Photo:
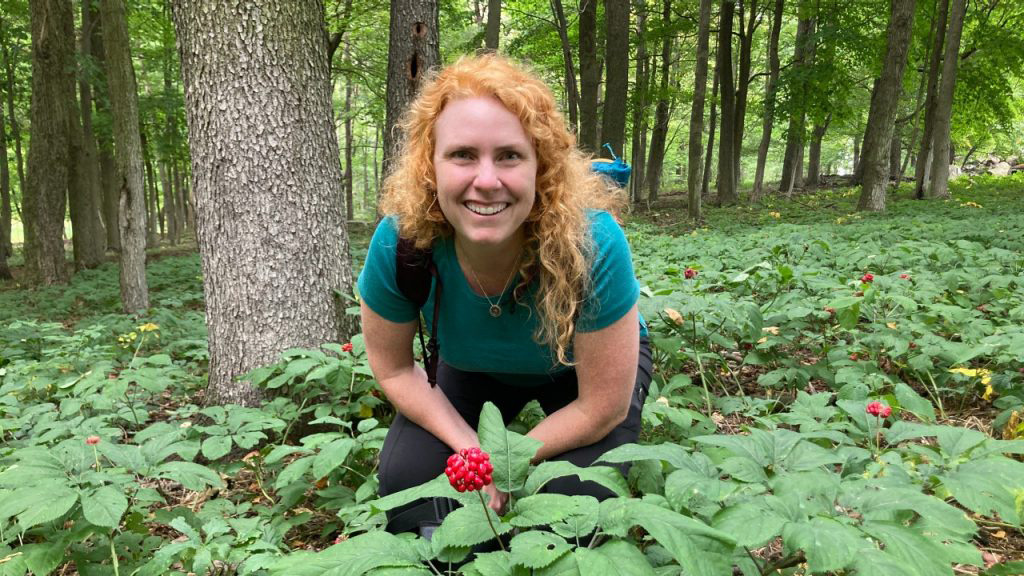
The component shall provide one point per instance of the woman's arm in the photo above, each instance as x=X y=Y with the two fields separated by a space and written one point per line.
x=389 y=349
x=606 y=361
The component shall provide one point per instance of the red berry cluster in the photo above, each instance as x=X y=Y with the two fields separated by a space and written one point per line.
x=867 y=278
x=879 y=409
x=346 y=347
x=689 y=273
x=470 y=469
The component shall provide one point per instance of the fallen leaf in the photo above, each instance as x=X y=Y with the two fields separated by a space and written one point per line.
x=674 y=315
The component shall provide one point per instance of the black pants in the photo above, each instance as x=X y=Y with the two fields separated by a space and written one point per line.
x=411 y=455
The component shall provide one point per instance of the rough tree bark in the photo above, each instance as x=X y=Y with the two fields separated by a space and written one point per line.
x=109 y=189
x=659 y=136
x=45 y=196
x=590 y=75
x=700 y=86
x=413 y=48
x=124 y=108
x=641 y=92
x=798 y=107
x=493 y=30
x=726 y=177
x=770 y=87
x=572 y=96
x=94 y=235
x=884 y=102
x=266 y=179
x=922 y=169
x=613 y=118
x=944 y=103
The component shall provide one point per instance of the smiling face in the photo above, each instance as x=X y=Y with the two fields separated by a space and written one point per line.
x=486 y=172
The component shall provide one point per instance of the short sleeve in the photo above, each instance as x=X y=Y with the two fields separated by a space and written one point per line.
x=614 y=289
x=378 y=286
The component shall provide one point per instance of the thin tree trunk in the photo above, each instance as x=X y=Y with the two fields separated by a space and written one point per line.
x=705 y=186
x=124 y=108
x=895 y=148
x=109 y=188
x=45 y=196
x=921 y=86
x=726 y=177
x=922 y=169
x=770 y=87
x=590 y=75
x=19 y=157
x=700 y=85
x=882 y=115
x=814 y=153
x=572 y=96
x=6 y=247
x=642 y=74
x=659 y=136
x=91 y=242
x=180 y=205
x=613 y=121
x=271 y=232
x=170 y=138
x=493 y=30
x=87 y=238
x=743 y=84
x=349 y=196
x=944 y=103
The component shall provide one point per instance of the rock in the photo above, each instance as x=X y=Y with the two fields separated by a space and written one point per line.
x=954 y=172
x=1000 y=169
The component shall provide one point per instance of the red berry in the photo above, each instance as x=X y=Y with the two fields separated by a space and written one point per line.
x=904 y=276
x=92 y=440
x=346 y=347
x=867 y=278
x=470 y=469
x=690 y=273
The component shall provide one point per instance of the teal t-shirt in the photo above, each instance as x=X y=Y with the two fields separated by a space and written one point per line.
x=473 y=341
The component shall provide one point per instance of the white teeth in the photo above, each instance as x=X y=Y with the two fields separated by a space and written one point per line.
x=486 y=210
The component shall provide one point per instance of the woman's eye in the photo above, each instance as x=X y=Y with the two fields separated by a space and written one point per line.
x=511 y=156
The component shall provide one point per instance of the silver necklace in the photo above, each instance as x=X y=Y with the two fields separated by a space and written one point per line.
x=495 y=308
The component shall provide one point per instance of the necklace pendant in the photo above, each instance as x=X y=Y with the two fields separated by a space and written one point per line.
x=495 y=310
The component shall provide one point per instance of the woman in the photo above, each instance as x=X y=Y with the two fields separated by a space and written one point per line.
x=538 y=299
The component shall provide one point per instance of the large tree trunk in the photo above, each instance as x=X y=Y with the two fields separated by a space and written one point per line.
x=109 y=189
x=413 y=48
x=770 y=87
x=271 y=231
x=798 y=106
x=642 y=79
x=89 y=235
x=941 y=158
x=572 y=97
x=613 y=121
x=590 y=75
x=726 y=177
x=922 y=168
x=743 y=84
x=493 y=30
x=884 y=102
x=124 y=108
x=45 y=196
x=700 y=86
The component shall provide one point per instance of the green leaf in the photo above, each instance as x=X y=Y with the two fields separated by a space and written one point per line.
x=914 y=403
x=873 y=562
x=44 y=503
x=606 y=476
x=674 y=454
x=1008 y=569
x=104 y=507
x=536 y=549
x=615 y=558
x=564 y=566
x=494 y=564
x=700 y=549
x=510 y=452
x=542 y=509
x=44 y=557
x=750 y=524
x=438 y=487
x=352 y=557
x=988 y=486
x=956 y=442
x=189 y=474
x=827 y=544
x=468 y=526
x=913 y=549
x=331 y=456
x=216 y=447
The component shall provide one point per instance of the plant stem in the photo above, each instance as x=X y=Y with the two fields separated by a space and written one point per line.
x=487 y=514
x=938 y=399
x=703 y=381
x=113 y=556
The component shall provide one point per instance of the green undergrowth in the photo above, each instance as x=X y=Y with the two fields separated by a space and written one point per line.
x=757 y=454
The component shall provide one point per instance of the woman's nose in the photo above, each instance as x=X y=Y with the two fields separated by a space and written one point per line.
x=487 y=175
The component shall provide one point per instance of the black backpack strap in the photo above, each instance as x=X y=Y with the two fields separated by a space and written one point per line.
x=414 y=270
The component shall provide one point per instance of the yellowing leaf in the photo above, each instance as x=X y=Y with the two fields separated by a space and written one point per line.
x=674 y=315
x=970 y=373
x=365 y=411
x=892 y=325
x=773 y=330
